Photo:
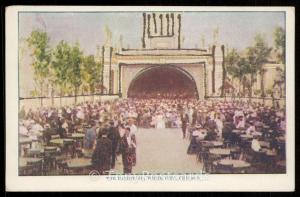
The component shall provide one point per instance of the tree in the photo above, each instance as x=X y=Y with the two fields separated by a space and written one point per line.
x=231 y=59
x=74 y=71
x=91 y=72
x=279 y=41
x=239 y=70
x=41 y=53
x=60 y=65
x=257 y=56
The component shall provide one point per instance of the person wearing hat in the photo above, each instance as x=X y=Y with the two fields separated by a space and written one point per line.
x=127 y=146
x=184 y=123
x=48 y=131
x=102 y=155
x=114 y=136
x=193 y=147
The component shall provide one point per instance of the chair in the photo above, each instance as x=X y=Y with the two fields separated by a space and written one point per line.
x=49 y=160
x=235 y=152
x=37 y=168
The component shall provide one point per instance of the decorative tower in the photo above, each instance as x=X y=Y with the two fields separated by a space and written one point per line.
x=218 y=64
x=107 y=51
x=161 y=30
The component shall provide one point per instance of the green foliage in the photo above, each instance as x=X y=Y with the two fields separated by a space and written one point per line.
x=231 y=58
x=61 y=64
x=91 y=72
x=41 y=54
x=74 y=72
x=257 y=56
x=279 y=41
x=258 y=53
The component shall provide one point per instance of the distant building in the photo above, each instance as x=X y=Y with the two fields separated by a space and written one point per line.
x=161 y=48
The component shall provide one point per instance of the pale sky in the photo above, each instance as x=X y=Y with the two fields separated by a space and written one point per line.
x=236 y=29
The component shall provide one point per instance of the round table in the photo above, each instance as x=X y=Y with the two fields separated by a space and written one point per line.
x=25 y=140
x=35 y=152
x=212 y=143
x=33 y=165
x=61 y=141
x=219 y=151
x=77 y=135
x=79 y=163
x=235 y=162
x=25 y=161
x=52 y=149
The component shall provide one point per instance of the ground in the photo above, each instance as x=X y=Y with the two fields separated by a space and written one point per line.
x=162 y=151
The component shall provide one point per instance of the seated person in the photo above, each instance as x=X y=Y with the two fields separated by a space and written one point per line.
x=255 y=145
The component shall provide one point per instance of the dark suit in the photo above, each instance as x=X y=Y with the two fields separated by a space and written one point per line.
x=114 y=136
x=102 y=155
x=184 y=121
x=128 y=155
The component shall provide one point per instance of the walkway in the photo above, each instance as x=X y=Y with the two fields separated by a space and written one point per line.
x=162 y=151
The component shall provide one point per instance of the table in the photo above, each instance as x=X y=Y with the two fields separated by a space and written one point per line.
x=79 y=163
x=30 y=166
x=50 y=148
x=25 y=140
x=61 y=141
x=77 y=135
x=212 y=143
x=235 y=162
x=25 y=161
x=219 y=151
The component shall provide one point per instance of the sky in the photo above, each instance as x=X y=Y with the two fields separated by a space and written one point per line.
x=236 y=29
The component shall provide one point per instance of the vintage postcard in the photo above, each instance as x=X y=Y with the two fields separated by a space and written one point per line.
x=150 y=99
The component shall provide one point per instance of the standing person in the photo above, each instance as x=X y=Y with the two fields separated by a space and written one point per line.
x=61 y=131
x=102 y=154
x=133 y=128
x=184 y=123
x=90 y=137
x=114 y=136
x=126 y=147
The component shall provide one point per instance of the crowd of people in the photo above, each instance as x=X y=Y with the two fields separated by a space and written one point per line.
x=165 y=94
x=110 y=126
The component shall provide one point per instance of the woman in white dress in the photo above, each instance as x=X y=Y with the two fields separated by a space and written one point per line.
x=160 y=121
